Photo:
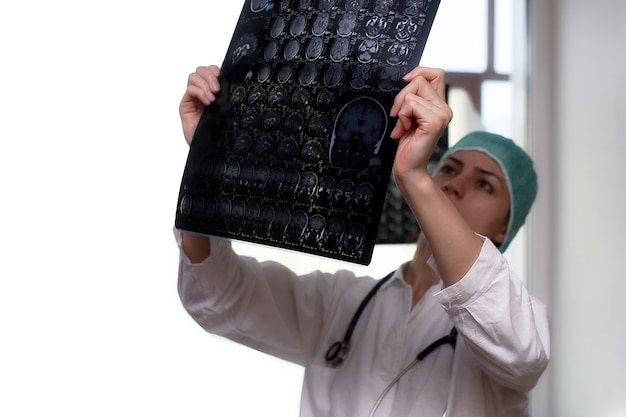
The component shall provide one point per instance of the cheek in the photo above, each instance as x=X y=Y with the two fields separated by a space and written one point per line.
x=486 y=219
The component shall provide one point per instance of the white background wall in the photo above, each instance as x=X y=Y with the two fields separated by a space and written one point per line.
x=579 y=105
x=90 y=161
x=91 y=154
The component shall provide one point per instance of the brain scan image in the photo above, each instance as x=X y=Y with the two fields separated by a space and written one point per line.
x=284 y=5
x=233 y=170
x=364 y=194
x=367 y=51
x=354 y=5
x=314 y=231
x=185 y=205
x=278 y=26
x=384 y=6
x=306 y=188
x=244 y=47
x=264 y=73
x=307 y=74
x=326 y=188
x=271 y=121
x=235 y=220
x=360 y=76
x=297 y=25
x=333 y=74
x=413 y=7
x=223 y=213
x=319 y=125
x=291 y=49
x=353 y=238
x=284 y=73
x=347 y=24
x=314 y=48
x=219 y=171
x=290 y=184
x=303 y=5
x=375 y=27
x=250 y=119
x=297 y=224
x=320 y=23
x=245 y=176
x=270 y=50
x=238 y=96
x=301 y=98
x=343 y=193
x=265 y=147
x=243 y=144
x=405 y=29
x=312 y=151
x=334 y=234
x=397 y=53
x=287 y=148
x=296 y=157
x=389 y=78
x=261 y=175
x=277 y=175
x=266 y=218
x=359 y=130
x=257 y=95
x=258 y=5
x=327 y=4
x=339 y=49
x=197 y=207
x=280 y=223
x=250 y=218
x=325 y=99
x=278 y=96
x=294 y=123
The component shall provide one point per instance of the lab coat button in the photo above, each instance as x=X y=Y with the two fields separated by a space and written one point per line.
x=386 y=376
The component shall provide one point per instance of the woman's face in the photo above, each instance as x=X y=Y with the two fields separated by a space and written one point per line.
x=477 y=187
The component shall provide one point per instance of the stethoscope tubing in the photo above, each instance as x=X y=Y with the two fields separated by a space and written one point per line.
x=449 y=339
x=339 y=350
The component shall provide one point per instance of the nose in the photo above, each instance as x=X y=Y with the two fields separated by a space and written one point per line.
x=454 y=186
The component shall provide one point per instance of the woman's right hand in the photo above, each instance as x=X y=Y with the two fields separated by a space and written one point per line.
x=202 y=86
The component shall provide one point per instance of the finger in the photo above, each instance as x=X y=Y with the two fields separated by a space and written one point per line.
x=210 y=75
x=419 y=111
x=419 y=86
x=435 y=76
x=412 y=109
x=199 y=88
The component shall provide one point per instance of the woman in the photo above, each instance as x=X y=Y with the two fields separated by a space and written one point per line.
x=457 y=281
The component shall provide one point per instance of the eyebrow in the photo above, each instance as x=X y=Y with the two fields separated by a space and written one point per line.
x=479 y=169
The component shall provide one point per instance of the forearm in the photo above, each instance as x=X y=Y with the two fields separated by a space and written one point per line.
x=262 y=305
x=504 y=327
x=196 y=247
x=454 y=245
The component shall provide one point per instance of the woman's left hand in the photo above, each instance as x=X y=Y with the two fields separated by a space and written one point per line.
x=423 y=115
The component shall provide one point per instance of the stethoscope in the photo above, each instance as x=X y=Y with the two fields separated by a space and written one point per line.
x=338 y=351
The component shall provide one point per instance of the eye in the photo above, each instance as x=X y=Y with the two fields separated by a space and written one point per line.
x=485 y=185
x=446 y=170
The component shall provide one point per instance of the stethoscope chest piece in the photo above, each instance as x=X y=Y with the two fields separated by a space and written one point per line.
x=336 y=354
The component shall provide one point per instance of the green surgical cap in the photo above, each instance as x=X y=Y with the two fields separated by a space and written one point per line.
x=518 y=170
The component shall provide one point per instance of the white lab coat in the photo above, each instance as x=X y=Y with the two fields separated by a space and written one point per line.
x=502 y=349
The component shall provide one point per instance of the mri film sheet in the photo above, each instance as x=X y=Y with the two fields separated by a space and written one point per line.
x=295 y=151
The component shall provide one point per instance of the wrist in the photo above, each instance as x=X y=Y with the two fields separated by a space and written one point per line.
x=415 y=183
